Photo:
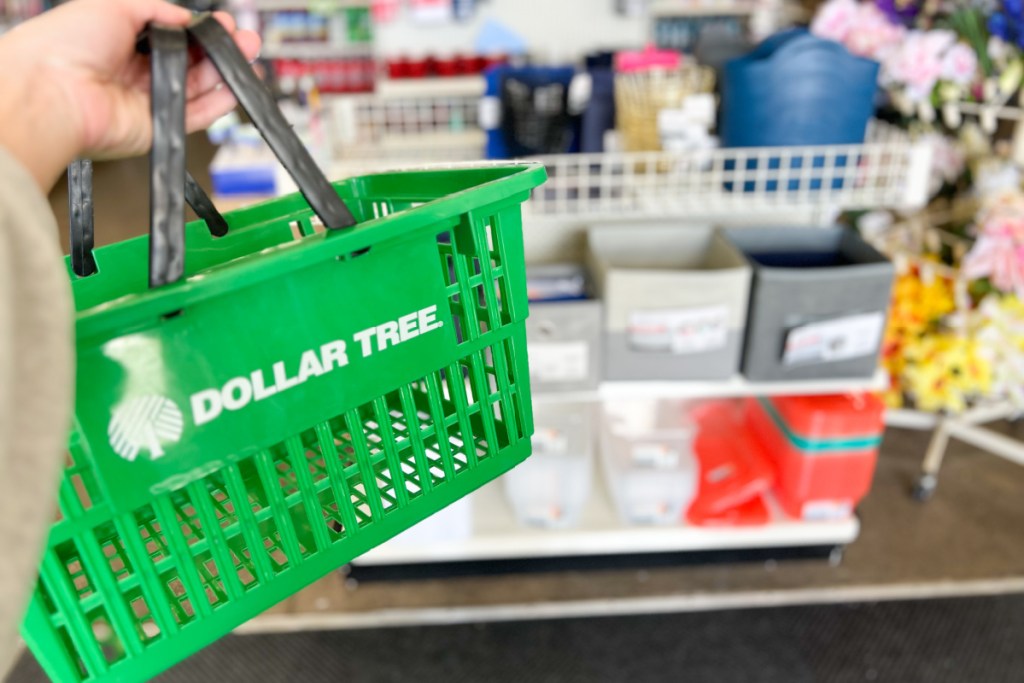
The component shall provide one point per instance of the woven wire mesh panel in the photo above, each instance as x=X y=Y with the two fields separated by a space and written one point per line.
x=889 y=170
x=410 y=128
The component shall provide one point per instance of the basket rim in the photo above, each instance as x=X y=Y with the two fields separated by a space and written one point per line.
x=507 y=180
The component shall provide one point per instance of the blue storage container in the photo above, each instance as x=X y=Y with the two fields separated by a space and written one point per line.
x=797 y=89
x=531 y=116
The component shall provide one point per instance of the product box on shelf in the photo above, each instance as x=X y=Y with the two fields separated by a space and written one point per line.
x=551 y=487
x=818 y=305
x=824 y=448
x=675 y=301
x=563 y=332
x=735 y=472
x=648 y=460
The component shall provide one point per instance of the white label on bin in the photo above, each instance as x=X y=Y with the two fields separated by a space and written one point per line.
x=559 y=361
x=827 y=510
x=680 y=331
x=489 y=113
x=833 y=340
x=654 y=455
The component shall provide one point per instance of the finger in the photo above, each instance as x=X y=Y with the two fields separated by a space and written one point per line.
x=204 y=76
x=226 y=20
x=142 y=12
x=203 y=111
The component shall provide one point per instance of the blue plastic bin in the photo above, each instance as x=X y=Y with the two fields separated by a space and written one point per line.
x=522 y=127
x=796 y=89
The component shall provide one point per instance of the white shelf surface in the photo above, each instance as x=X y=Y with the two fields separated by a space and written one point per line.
x=735 y=387
x=498 y=535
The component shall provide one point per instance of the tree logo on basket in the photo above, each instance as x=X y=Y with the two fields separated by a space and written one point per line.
x=145 y=423
x=151 y=422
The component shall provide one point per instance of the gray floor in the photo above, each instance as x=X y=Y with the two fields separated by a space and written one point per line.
x=936 y=641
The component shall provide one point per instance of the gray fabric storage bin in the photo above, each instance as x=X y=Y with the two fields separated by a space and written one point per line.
x=563 y=340
x=675 y=302
x=819 y=303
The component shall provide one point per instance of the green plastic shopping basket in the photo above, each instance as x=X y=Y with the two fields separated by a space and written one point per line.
x=288 y=405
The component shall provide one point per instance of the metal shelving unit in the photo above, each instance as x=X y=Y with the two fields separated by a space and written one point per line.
x=497 y=535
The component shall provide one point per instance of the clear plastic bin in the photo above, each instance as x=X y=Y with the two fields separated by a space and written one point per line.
x=552 y=486
x=648 y=460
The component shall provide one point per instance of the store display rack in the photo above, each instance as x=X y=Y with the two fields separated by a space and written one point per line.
x=498 y=535
x=888 y=170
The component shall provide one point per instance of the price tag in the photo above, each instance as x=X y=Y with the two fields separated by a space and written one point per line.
x=559 y=361
x=834 y=340
x=827 y=510
x=680 y=331
x=489 y=113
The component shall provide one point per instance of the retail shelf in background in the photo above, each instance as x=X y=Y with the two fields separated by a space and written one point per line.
x=321 y=5
x=738 y=386
x=735 y=387
x=374 y=133
x=449 y=86
x=498 y=535
x=889 y=170
x=315 y=51
x=688 y=8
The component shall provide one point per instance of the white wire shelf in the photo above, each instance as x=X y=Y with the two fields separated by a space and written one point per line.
x=368 y=129
x=498 y=535
x=889 y=170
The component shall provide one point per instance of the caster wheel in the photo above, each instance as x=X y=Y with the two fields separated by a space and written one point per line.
x=924 y=489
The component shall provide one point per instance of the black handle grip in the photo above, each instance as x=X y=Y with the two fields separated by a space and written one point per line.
x=168 y=64
x=81 y=217
x=204 y=208
x=168 y=50
x=259 y=104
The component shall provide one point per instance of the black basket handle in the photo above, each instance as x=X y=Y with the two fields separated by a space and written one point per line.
x=259 y=104
x=168 y=64
x=168 y=48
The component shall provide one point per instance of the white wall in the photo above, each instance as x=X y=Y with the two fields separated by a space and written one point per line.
x=555 y=30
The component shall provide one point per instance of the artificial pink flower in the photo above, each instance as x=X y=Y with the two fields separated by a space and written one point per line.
x=872 y=35
x=1000 y=259
x=917 y=64
x=835 y=19
x=960 y=65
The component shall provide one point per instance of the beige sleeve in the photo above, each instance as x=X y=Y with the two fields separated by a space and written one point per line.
x=36 y=387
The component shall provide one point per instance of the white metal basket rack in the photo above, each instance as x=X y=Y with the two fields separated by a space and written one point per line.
x=888 y=170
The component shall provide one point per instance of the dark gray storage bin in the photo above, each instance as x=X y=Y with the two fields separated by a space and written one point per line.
x=563 y=339
x=818 y=306
x=675 y=302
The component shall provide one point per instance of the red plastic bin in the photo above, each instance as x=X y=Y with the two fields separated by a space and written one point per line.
x=825 y=449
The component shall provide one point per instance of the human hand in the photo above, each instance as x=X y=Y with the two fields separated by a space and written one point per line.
x=75 y=86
